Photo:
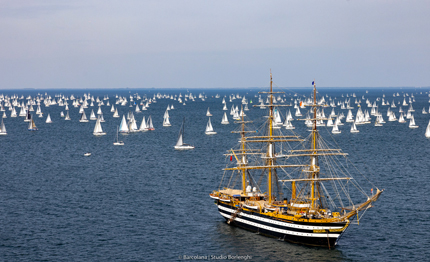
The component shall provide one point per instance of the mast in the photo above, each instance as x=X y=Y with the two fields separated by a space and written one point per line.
x=314 y=158
x=243 y=157
x=269 y=156
x=241 y=154
x=270 y=144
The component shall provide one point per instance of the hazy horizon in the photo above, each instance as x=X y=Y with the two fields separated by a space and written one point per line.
x=213 y=44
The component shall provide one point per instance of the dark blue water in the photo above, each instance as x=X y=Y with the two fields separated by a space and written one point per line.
x=147 y=202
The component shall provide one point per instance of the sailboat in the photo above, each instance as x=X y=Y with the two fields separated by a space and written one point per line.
x=288 y=125
x=32 y=125
x=166 y=121
x=117 y=142
x=48 y=119
x=335 y=129
x=27 y=115
x=401 y=118
x=180 y=145
x=224 y=120
x=354 y=128
x=412 y=122
x=209 y=129
x=115 y=114
x=98 y=131
x=132 y=125
x=67 y=116
x=208 y=113
x=102 y=119
x=3 y=128
x=143 y=126
x=93 y=116
x=320 y=207
x=149 y=124
x=83 y=118
x=123 y=127
x=378 y=121
x=427 y=134
x=13 y=113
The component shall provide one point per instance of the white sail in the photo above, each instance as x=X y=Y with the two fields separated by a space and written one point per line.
x=288 y=124
x=93 y=116
x=392 y=117
x=236 y=115
x=149 y=124
x=224 y=120
x=98 y=131
x=289 y=116
x=209 y=129
x=117 y=142
x=102 y=118
x=412 y=122
x=22 y=112
x=335 y=129
x=180 y=143
x=48 y=119
x=330 y=122
x=112 y=108
x=277 y=119
x=123 y=128
x=166 y=122
x=427 y=134
x=166 y=114
x=208 y=113
x=3 y=128
x=143 y=126
x=354 y=128
x=32 y=125
x=401 y=118
x=132 y=125
x=67 y=116
x=83 y=117
x=116 y=115
x=13 y=113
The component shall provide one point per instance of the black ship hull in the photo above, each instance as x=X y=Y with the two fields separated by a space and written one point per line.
x=304 y=233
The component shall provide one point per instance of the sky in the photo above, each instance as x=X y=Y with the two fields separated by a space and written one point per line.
x=49 y=44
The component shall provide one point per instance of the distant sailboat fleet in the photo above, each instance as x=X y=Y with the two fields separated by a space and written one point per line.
x=359 y=110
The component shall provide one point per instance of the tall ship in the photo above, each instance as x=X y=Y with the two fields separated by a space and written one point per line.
x=295 y=189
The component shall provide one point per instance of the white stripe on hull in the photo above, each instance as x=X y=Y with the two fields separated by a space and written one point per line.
x=283 y=231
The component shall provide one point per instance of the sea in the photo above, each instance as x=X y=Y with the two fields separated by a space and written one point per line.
x=145 y=201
